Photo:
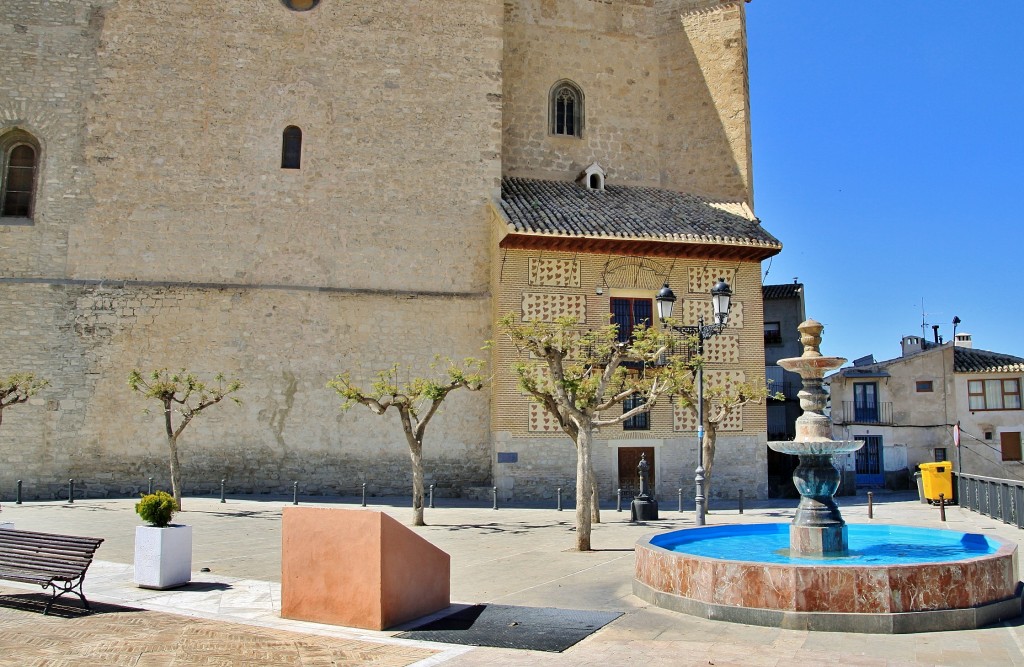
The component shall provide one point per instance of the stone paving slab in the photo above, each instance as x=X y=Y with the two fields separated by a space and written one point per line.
x=116 y=635
x=513 y=556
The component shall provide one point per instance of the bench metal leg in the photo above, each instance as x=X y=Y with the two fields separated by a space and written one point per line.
x=65 y=588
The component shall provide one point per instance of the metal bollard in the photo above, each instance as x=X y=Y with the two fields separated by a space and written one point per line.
x=494 y=492
x=222 y=489
x=431 y=496
x=295 y=493
x=871 y=505
x=150 y=486
x=559 y=506
x=18 y=500
x=942 y=507
x=741 y=501
x=71 y=490
x=680 y=500
x=364 y=494
x=618 y=500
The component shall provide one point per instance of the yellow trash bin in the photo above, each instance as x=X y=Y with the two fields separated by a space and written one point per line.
x=937 y=478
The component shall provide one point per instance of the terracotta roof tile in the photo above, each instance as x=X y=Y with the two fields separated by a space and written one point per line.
x=560 y=208
x=787 y=291
x=969 y=360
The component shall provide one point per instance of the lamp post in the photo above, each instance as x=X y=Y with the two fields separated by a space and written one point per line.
x=721 y=296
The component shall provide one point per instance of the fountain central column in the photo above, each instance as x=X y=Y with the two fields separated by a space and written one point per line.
x=818 y=527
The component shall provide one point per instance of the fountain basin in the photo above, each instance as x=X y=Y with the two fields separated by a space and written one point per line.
x=835 y=593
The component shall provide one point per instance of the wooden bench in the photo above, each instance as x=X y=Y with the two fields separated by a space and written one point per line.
x=55 y=561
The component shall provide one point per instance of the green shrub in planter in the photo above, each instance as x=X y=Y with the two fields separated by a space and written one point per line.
x=157 y=508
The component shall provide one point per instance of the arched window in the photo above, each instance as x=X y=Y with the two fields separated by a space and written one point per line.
x=566 y=109
x=20 y=152
x=291 y=148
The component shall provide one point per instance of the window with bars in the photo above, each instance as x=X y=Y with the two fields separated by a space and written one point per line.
x=628 y=313
x=640 y=422
x=566 y=109
x=20 y=154
x=998 y=394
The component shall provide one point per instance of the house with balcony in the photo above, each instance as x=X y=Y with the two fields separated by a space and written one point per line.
x=905 y=410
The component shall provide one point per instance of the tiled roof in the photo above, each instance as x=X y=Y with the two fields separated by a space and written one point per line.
x=969 y=360
x=559 y=208
x=788 y=291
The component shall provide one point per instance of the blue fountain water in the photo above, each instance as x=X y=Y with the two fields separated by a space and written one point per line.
x=868 y=545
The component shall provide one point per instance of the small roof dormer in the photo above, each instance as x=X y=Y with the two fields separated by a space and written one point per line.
x=593 y=177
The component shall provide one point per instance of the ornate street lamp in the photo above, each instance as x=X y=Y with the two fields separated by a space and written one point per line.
x=721 y=301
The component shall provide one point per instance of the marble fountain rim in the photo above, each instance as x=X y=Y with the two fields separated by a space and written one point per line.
x=741 y=598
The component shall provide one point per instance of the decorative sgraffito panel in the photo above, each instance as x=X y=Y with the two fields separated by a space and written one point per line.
x=693 y=309
x=541 y=307
x=685 y=419
x=700 y=280
x=722 y=349
x=554 y=272
x=541 y=421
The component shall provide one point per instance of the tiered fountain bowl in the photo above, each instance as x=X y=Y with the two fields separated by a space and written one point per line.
x=821 y=574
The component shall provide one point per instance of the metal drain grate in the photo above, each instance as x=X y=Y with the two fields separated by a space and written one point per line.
x=502 y=626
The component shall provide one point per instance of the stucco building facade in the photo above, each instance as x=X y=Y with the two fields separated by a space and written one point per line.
x=282 y=191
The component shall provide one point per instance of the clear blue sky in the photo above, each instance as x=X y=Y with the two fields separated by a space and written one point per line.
x=888 y=159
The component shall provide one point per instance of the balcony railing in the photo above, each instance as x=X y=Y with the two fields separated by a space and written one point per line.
x=1000 y=499
x=852 y=412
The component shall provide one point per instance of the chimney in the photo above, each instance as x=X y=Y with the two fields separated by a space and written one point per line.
x=935 y=332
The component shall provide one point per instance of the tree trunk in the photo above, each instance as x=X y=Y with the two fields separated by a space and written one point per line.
x=416 y=453
x=710 y=437
x=172 y=446
x=595 y=496
x=584 y=491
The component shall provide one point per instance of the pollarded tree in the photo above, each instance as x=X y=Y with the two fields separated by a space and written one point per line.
x=583 y=377
x=416 y=401
x=18 y=388
x=721 y=399
x=183 y=393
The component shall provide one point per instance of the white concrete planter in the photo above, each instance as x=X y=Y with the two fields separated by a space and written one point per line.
x=163 y=556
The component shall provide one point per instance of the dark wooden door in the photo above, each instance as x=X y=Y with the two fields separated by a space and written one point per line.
x=629 y=476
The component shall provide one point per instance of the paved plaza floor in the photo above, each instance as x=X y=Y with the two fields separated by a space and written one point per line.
x=510 y=556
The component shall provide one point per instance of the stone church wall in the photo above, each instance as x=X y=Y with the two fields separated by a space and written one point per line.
x=664 y=85
x=166 y=233
x=283 y=344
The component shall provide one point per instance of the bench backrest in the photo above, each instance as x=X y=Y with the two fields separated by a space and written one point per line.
x=63 y=555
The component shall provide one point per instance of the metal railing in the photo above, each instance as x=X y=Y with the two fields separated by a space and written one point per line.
x=1000 y=499
x=851 y=412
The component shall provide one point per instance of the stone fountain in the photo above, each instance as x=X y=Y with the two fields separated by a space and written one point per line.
x=818 y=528
x=862 y=578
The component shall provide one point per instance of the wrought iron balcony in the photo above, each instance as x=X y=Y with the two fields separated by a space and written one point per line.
x=852 y=412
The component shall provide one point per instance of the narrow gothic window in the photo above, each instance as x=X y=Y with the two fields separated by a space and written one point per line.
x=291 y=148
x=20 y=154
x=566 y=109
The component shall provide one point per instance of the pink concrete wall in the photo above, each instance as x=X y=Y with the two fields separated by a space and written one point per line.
x=358 y=568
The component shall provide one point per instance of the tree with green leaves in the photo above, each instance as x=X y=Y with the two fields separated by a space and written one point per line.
x=585 y=374
x=18 y=388
x=185 y=394
x=582 y=378
x=416 y=401
x=720 y=401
